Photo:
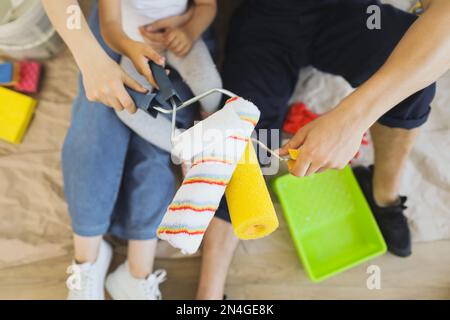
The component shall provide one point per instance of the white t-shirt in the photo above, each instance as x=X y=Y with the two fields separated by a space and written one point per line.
x=136 y=13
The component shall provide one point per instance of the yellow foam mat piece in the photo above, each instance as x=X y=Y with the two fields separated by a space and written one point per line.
x=16 y=111
x=251 y=209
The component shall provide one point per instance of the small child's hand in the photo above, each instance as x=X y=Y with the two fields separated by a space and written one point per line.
x=140 y=53
x=185 y=167
x=204 y=114
x=178 y=41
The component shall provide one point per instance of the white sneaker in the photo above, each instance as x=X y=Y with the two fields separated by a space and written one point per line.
x=87 y=280
x=121 y=285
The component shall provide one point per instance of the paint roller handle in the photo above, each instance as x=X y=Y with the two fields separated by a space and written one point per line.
x=166 y=89
x=143 y=101
x=163 y=97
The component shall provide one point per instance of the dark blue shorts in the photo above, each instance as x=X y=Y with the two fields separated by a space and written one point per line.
x=270 y=41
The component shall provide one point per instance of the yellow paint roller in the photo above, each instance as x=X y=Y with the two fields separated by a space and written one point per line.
x=251 y=209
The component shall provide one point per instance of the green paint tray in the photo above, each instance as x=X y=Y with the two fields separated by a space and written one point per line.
x=329 y=220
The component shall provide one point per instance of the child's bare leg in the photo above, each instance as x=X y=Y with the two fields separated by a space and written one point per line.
x=86 y=248
x=141 y=255
x=219 y=245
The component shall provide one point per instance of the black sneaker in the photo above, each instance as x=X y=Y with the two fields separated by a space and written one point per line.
x=391 y=220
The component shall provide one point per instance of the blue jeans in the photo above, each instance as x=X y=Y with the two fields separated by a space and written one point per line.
x=114 y=181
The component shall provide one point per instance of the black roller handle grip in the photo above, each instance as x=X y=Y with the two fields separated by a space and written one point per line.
x=166 y=90
x=144 y=101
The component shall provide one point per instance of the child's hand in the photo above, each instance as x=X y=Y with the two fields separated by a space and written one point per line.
x=154 y=33
x=154 y=39
x=169 y=22
x=178 y=41
x=204 y=114
x=140 y=53
x=185 y=167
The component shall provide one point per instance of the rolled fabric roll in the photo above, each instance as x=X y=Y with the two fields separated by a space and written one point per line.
x=251 y=209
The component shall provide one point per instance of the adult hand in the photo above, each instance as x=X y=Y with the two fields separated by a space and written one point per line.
x=104 y=82
x=329 y=142
x=103 y=78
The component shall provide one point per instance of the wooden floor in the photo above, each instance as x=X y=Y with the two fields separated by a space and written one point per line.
x=271 y=273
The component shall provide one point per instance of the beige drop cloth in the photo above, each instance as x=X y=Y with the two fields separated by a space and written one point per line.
x=33 y=217
x=34 y=223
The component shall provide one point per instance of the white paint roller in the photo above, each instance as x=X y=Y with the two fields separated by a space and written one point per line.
x=206 y=134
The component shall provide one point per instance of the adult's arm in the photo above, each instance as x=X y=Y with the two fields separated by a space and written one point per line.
x=103 y=78
x=112 y=32
x=420 y=58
